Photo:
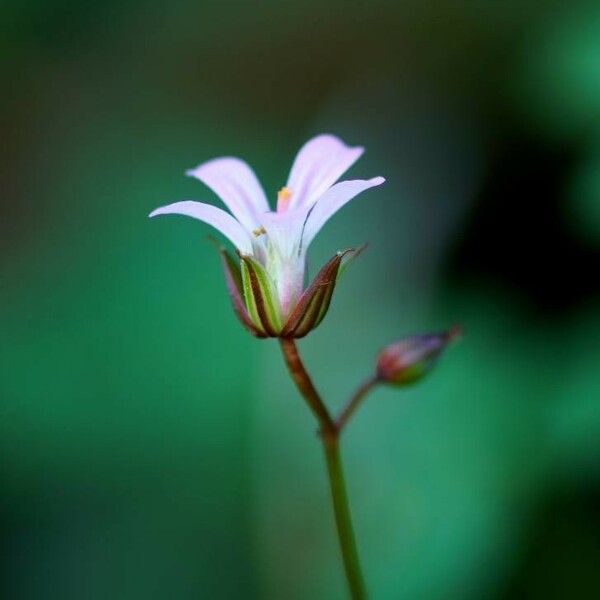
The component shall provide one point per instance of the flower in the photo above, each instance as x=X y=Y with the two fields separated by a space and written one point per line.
x=409 y=359
x=267 y=289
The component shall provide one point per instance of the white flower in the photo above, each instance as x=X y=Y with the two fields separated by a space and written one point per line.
x=278 y=239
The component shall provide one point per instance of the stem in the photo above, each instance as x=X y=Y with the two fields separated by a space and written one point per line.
x=330 y=437
x=366 y=386
x=306 y=387
x=343 y=518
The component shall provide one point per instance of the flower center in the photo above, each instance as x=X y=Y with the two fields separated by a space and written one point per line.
x=283 y=199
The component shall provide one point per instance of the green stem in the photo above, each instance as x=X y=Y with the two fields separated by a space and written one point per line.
x=343 y=519
x=330 y=437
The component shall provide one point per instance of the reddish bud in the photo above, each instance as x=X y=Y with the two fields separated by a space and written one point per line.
x=409 y=359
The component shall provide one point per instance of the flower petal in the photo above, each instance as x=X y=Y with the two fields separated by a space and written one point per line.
x=318 y=165
x=331 y=202
x=285 y=230
x=212 y=215
x=237 y=186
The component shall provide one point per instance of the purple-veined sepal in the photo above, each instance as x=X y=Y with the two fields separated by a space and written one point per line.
x=314 y=302
x=233 y=280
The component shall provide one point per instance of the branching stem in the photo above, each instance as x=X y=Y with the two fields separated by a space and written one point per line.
x=330 y=434
x=361 y=391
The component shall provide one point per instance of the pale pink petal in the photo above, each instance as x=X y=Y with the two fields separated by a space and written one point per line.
x=318 y=165
x=212 y=215
x=284 y=230
x=237 y=186
x=331 y=201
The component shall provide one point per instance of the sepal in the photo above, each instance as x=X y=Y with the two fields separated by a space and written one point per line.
x=260 y=296
x=233 y=279
x=314 y=302
x=349 y=258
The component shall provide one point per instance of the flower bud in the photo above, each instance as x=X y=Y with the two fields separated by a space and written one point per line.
x=409 y=359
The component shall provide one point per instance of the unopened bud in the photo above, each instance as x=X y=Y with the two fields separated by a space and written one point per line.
x=409 y=359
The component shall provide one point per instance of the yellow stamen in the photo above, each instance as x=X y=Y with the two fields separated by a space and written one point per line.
x=283 y=198
x=259 y=231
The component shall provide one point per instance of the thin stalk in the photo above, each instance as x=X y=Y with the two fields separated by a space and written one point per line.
x=305 y=386
x=343 y=518
x=363 y=389
x=330 y=438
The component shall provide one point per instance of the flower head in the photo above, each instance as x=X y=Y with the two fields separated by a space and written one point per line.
x=267 y=289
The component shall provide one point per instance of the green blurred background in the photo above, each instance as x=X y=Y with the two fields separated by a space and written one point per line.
x=151 y=448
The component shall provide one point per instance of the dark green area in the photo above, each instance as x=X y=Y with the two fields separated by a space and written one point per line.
x=151 y=448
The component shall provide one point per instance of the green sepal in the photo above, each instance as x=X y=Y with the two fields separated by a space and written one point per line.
x=260 y=296
x=314 y=302
x=233 y=280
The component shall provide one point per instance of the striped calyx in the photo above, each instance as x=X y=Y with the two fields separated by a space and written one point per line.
x=254 y=295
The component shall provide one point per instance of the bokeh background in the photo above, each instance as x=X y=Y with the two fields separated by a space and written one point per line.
x=151 y=448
